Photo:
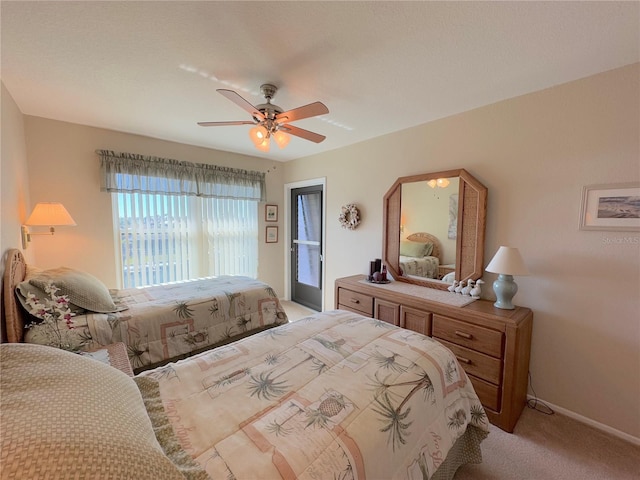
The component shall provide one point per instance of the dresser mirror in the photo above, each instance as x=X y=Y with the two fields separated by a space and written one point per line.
x=434 y=224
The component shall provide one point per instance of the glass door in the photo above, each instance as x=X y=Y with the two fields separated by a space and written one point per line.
x=306 y=246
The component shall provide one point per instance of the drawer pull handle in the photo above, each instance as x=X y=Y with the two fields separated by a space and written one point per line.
x=468 y=336
x=463 y=360
x=353 y=300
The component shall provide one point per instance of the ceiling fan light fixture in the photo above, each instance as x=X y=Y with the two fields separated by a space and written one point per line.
x=432 y=183
x=258 y=135
x=281 y=138
x=263 y=146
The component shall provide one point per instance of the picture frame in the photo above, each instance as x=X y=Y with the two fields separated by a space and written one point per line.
x=612 y=207
x=271 y=235
x=271 y=213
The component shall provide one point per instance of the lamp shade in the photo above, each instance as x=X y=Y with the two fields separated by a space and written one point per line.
x=49 y=214
x=507 y=261
x=281 y=138
x=258 y=135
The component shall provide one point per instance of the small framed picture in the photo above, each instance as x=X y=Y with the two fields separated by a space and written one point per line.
x=272 y=235
x=271 y=213
x=611 y=207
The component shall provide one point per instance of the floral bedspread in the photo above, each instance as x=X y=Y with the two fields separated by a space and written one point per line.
x=165 y=321
x=421 y=267
x=335 y=395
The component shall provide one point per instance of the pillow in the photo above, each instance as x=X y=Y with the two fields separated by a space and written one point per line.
x=70 y=416
x=415 y=249
x=83 y=289
x=24 y=288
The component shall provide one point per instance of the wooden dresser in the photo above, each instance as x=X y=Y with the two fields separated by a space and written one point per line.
x=491 y=344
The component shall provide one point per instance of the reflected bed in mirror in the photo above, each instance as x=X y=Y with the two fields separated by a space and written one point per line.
x=446 y=209
x=420 y=255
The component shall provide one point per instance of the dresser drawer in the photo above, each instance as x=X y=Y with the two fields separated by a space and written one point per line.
x=477 y=364
x=467 y=335
x=488 y=393
x=355 y=301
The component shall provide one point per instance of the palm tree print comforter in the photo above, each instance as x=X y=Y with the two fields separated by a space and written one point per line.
x=162 y=322
x=335 y=395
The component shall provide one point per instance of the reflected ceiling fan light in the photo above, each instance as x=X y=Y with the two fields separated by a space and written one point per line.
x=281 y=138
x=442 y=182
x=432 y=183
x=258 y=135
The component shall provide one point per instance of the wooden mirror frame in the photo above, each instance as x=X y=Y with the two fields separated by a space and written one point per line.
x=472 y=213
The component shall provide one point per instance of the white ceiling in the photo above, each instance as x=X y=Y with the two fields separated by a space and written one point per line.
x=152 y=68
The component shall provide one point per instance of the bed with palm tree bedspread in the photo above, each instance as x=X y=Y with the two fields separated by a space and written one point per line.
x=157 y=323
x=333 y=396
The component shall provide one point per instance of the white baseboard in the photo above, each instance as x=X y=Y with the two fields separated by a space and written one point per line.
x=588 y=421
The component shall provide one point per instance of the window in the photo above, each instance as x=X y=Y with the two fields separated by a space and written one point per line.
x=177 y=220
x=166 y=238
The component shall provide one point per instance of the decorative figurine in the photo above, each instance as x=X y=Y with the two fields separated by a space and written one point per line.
x=452 y=287
x=460 y=286
x=467 y=289
x=475 y=291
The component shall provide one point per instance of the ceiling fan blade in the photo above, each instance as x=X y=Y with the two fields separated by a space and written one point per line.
x=242 y=103
x=219 y=124
x=311 y=110
x=302 y=133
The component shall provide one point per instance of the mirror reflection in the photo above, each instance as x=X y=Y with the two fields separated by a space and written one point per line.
x=428 y=228
x=421 y=209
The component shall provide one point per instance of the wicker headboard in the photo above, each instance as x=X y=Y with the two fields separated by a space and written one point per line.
x=14 y=273
x=424 y=237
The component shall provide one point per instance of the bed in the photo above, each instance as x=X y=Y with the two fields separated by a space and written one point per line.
x=333 y=396
x=157 y=323
x=420 y=255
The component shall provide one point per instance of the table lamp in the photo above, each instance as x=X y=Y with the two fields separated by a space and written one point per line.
x=507 y=262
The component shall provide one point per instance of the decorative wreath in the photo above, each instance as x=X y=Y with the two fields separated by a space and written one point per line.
x=349 y=216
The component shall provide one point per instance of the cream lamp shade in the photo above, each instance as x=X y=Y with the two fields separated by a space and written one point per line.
x=47 y=214
x=507 y=262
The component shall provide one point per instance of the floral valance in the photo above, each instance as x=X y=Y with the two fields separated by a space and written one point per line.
x=130 y=172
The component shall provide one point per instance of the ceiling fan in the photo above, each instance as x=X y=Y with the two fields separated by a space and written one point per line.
x=270 y=120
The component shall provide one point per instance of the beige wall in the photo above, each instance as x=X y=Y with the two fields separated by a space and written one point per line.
x=13 y=174
x=14 y=190
x=64 y=168
x=534 y=153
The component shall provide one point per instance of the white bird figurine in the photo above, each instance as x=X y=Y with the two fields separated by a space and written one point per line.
x=452 y=287
x=467 y=289
x=460 y=286
x=475 y=291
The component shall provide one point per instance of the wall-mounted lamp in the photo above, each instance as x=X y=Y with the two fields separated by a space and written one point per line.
x=46 y=215
x=507 y=262
x=439 y=182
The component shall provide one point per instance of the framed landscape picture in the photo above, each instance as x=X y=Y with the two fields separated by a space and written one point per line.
x=272 y=235
x=271 y=213
x=611 y=207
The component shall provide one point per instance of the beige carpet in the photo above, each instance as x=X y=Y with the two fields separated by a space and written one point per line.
x=553 y=447
x=542 y=447
x=295 y=311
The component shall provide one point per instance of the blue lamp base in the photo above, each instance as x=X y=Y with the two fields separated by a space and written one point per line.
x=505 y=289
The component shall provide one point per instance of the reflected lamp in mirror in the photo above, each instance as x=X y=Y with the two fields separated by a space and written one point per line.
x=46 y=215
x=507 y=262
